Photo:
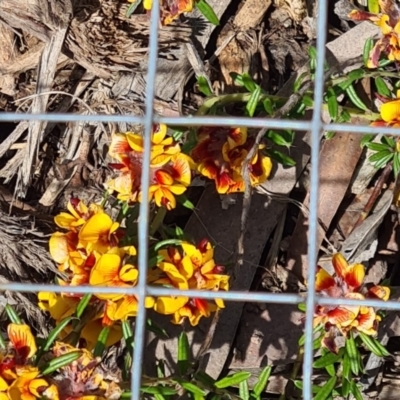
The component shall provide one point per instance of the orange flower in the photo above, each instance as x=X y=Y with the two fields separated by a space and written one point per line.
x=220 y=155
x=346 y=283
x=22 y=341
x=170 y=10
x=188 y=267
x=390 y=113
x=389 y=23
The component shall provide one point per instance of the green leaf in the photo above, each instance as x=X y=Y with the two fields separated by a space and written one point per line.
x=204 y=378
x=207 y=12
x=328 y=359
x=330 y=369
x=190 y=387
x=330 y=135
x=128 y=334
x=373 y=6
x=352 y=353
x=314 y=388
x=232 y=380
x=353 y=96
x=378 y=146
x=268 y=106
x=368 y=46
x=307 y=100
x=299 y=81
x=152 y=326
x=132 y=8
x=345 y=387
x=60 y=362
x=204 y=87
x=346 y=371
x=356 y=74
x=244 y=390
x=167 y=242
x=327 y=389
x=262 y=381
x=253 y=101
x=55 y=332
x=101 y=342
x=333 y=105
x=160 y=369
x=373 y=345
x=380 y=154
x=355 y=391
x=82 y=305
x=165 y=391
x=182 y=199
x=3 y=344
x=396 y=164
x=384 y=63
x=383 y=161
x=279 y=139
x=248 y=82
x=183 y=353
x=281 y=158
x=12 y=315
x=302 y=307
x=388 y=140
x=312 y=52
x=366 y=139
x=236 y=78
x=382 y=87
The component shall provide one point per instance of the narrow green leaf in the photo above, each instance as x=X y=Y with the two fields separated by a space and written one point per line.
x=312 y=52
x=352 y=353
x=307 y=100
x=132 y=8
x=60 y=362
x=330 y=134
x=232 y=380
x=380 y=154
x=12 y=315
x=333 y=105
x=128 y=335
x=299 y=81
x=330 y=369
x=383 y=161
x=165 y=391
x=314 y=388
x=204 y=87
x=237 y=78
x=207 y=12
x=268 y=106
x=101 y=342
x=328 y=359
x=278 y=138
x=382 y=87
x=346 y=368
x=368 y=46
x=388 y=140
x=248 y=82
x=262 y=381
x=244 y=390
x=82 y=305
x=396 y=164
x=167 y=242
x=327 y=389
x=152 y=326
x=284 y=159
x=190 y=387
x=183 y=353
x=356 y=74
x=355 y=391
x=204 y=378
x=353 y=96
x=345 y=387
x=378 y=146
x=55 y=333
x=160 y=369
x=373 y=345
x=182 y=199
x=302 y=307
x=366 y=139
x=253 y=101
x=3 y=344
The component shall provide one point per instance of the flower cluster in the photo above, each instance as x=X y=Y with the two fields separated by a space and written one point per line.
x=220 y=155
x=346 y=283
x=170 y=169
x=389 y=23
x=390 y=112
x=22 y=375
x=88 y=253
x=170 y=10
x=188 y=267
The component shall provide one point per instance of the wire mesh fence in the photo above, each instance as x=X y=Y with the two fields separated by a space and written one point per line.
x=315 y=126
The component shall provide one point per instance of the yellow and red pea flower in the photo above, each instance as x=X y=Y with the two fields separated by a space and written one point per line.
x=170 y=170
x=188 y=267
x=346 y=283
x=170 y=10
x=220 y=155
x=389 y=23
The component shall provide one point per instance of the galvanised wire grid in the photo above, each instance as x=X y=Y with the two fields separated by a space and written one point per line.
x=141 y=290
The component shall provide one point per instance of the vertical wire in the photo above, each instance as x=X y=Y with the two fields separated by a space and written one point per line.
x=316 y=127
x=144 y=206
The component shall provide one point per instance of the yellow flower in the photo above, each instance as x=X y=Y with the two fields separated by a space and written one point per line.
x=389 y=23
x=220 y=155
x=23 y=342
x=27 y=386
x=59 y=306
x=112 y=272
